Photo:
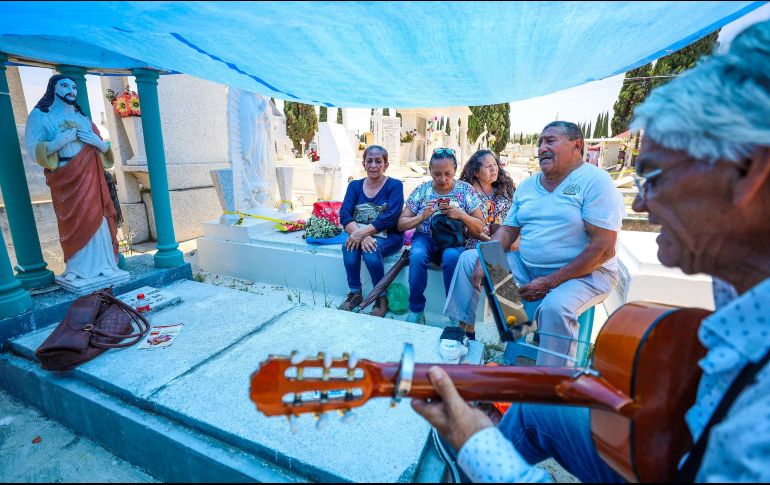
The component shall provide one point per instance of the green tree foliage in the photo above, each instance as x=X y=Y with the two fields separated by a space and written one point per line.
x=301 y=122
x=634 y=92
x=386 y=112
x=339 y=116
x=605 y=125
x=597 y=126
x=322 y=114
x=498 y=120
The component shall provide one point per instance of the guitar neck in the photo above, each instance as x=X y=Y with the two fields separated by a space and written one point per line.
x=547 y=385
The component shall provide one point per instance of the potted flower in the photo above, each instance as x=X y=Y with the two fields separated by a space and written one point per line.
x=127 y=107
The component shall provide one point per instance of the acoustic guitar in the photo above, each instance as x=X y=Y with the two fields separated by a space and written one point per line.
x=642 y=379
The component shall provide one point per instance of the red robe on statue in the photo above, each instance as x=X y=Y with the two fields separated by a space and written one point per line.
x=80 y=199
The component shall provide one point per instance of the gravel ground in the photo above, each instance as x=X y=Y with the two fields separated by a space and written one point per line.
x=34 y=448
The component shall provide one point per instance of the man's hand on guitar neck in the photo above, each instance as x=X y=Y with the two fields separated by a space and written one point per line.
x=452 y=417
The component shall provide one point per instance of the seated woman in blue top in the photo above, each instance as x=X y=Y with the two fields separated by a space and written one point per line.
x=369 y=215
x=445 y=195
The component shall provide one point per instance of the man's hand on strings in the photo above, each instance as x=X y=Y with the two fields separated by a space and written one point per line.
x=452 y=417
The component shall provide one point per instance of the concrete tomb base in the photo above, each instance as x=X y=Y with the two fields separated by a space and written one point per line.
x=256 y=251
x=644 y=278
x=194 y=394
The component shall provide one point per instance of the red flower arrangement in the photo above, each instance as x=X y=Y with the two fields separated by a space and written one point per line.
x=125 y=103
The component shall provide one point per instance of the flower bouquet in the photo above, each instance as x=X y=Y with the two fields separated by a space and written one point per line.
x=291 y=226
x=319 y=230
x=125 y=103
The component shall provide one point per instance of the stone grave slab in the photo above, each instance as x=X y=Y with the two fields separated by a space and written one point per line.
x=383 y=444
x=214 y=319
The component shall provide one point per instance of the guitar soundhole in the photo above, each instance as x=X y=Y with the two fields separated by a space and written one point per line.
x=316 y=397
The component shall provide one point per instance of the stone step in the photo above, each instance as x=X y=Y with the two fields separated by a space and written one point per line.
x=183 y=413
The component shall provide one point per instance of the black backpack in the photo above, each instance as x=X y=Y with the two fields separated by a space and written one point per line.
x=447 y=232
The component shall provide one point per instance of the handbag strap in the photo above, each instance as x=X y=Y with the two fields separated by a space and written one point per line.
x=747 y=377
x=142 y=324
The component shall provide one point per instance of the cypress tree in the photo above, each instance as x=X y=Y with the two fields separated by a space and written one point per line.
x=322 y=114
x=497 y=117
x=386 y=112
x=600 y=128
x=634 y=92
x=301 y=122
x=597 y=126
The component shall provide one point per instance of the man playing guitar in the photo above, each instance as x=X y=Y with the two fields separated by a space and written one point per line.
x=704 y=176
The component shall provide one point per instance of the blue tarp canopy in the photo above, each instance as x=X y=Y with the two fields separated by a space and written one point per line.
x=363 y=54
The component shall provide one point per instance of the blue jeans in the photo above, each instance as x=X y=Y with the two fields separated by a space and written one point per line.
x=423 y=250
x=540 y=431
x=373 y=261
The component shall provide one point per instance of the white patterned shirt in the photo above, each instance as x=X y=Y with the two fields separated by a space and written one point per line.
x=739 y=446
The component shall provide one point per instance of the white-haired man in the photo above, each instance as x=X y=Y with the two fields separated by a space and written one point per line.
x=705 y=162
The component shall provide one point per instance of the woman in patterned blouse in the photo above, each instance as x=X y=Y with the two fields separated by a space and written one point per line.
x=495 y=188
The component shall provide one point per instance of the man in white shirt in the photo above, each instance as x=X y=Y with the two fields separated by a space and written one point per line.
x=705 y=166
x=568 y=216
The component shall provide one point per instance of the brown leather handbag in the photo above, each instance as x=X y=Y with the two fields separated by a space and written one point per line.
x=93 y=324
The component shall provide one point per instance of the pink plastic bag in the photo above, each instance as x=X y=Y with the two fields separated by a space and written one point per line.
x=408 y=237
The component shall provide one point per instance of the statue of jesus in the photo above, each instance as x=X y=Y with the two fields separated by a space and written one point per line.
x=67 y=144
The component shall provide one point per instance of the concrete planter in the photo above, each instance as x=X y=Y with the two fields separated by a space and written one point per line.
x=284 y=177
x=406 y=149
x=327 y=182
x=133 y=127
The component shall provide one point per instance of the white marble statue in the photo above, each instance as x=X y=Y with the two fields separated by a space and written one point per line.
x=251 y=148
x=67 y=144
x=482 y=142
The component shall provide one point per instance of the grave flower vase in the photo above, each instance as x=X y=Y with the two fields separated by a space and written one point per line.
x=133 y=127
x=285 y=179
x=405 y=152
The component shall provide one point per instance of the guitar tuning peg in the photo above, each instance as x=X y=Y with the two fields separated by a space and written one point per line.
x=327 y=359
x=348 y=417
x=323 y=420
x=292 y=423
x=297 y=357
x=352 y=360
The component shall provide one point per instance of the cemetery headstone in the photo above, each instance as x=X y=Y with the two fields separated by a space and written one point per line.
x=391 y=138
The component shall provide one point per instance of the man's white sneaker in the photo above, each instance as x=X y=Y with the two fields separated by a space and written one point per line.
x=453 y=344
